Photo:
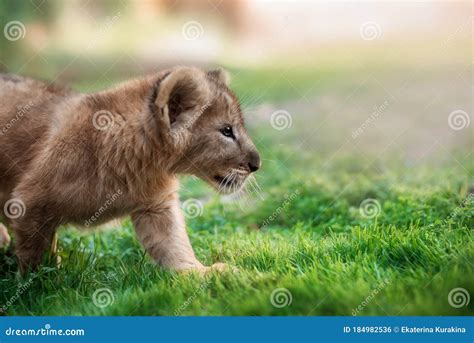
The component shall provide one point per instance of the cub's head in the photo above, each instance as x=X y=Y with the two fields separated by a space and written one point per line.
x=206 y=126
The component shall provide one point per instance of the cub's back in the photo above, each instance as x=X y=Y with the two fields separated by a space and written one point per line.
x=25 y=113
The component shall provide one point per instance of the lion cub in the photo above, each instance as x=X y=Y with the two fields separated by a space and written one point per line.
x=67 y=157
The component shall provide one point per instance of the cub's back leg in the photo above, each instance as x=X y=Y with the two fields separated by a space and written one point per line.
x=33 y=228
x=34 y=235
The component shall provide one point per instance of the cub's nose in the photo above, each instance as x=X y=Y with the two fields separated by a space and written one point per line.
x=254 y=161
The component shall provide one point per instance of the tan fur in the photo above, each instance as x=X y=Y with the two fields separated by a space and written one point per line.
x=4 y=236
x=89 y=158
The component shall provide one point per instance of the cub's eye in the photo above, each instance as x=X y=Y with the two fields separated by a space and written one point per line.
x=227 y=131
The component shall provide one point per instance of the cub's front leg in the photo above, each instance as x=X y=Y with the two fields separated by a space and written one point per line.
x=4 y=236
x=162 y=231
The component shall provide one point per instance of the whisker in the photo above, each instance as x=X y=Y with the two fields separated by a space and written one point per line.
x=256 y=187
x=230 y=179
x=252 y=190
x=224 y=181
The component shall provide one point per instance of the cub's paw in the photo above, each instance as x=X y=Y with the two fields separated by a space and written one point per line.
x=4 y=236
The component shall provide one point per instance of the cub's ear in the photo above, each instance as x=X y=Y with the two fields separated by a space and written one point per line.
x=220 y=75
x=181 y=92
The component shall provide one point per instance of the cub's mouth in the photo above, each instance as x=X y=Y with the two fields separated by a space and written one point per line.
x=218 y=179
x=230 y=182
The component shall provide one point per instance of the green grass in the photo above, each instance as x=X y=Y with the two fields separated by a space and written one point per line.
x=320 y=248
x=307 y=235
